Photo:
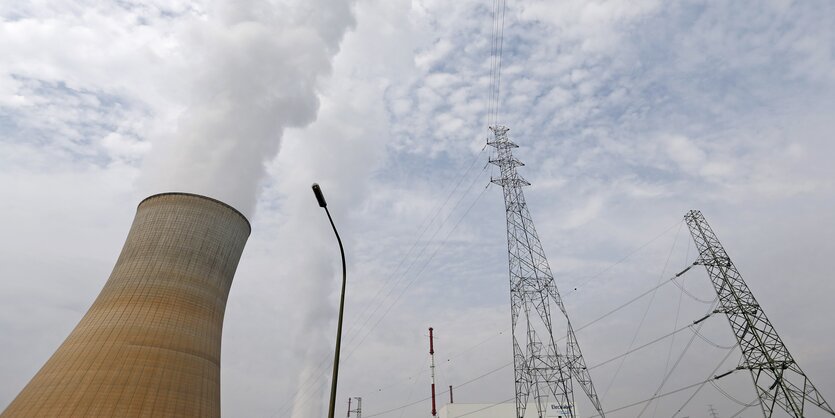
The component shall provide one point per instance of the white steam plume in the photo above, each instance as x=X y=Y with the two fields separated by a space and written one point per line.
x=253 y=70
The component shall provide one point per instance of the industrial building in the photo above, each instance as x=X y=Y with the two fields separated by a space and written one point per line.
x=150 y=343
x=500 y=410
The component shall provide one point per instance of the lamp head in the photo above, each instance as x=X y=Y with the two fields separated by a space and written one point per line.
x=319 y=196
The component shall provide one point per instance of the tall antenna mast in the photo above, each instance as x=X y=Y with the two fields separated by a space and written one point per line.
x=779 y=381
x=540 y=368
x=432 y=369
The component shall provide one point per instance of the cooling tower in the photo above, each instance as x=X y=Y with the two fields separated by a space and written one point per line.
x=150 y=344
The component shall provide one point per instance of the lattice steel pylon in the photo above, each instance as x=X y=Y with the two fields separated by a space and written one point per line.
x=778 y=380
x=357 y=410
x=540 y=369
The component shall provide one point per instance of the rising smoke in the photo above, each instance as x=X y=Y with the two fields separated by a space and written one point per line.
x=253 y=71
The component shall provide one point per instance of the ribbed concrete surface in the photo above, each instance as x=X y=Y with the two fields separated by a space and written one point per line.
x=150 y=344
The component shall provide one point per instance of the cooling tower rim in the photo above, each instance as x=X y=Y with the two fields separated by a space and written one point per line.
x=201 y=197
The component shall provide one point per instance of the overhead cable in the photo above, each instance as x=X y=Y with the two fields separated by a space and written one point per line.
x=440 y=393
x=712 y=376
x=633 y=300
x=632 y=350
x=587 y=279
x=659 y=396
x=417 y=275
x=699 y=324
x=731 y=398
x=305 y=387
x=754 y=402
x=646 y=311
x=692 y=296
x=410 y=282
x=672 y=340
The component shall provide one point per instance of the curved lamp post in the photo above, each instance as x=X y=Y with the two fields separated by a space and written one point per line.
x=321 y=199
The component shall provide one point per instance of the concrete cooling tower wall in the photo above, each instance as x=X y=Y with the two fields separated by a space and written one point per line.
x=150 y=344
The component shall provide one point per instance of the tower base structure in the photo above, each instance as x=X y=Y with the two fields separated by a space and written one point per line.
x=149 y=346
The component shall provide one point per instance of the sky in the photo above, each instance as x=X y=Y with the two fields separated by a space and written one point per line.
x=627 y=113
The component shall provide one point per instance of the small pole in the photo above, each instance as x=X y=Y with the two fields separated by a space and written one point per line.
x=450 y=393
x=432 y=369
x=349 y=407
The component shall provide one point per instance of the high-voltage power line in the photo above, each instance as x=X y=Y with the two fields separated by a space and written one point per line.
x=778 y=380
x=540 y=368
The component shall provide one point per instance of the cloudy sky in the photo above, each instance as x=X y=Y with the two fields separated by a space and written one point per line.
x=627 y=113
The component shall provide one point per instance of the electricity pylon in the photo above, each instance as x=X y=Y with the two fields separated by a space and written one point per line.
x=540 y=369
x=358 y=410
x=778 y=380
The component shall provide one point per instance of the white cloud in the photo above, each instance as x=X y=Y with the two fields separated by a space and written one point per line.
x=627 y=114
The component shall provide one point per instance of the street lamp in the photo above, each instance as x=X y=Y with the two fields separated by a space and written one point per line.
x=321 y=199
